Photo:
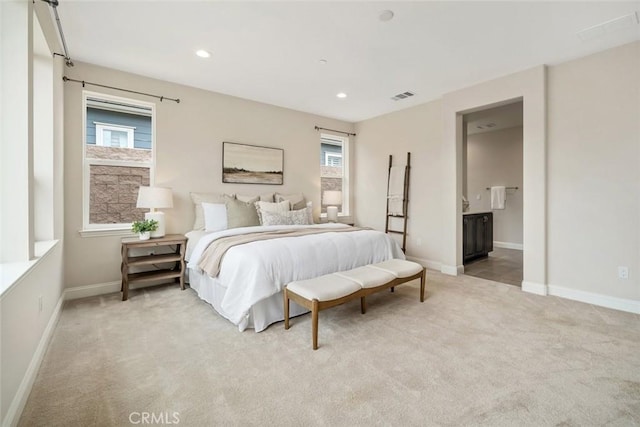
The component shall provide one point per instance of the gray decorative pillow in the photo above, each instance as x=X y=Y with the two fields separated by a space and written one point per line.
x=299 y=217
x=297 y=200
x=310 y=212
x=261 y=206
x=198 y=199
x=241 y=214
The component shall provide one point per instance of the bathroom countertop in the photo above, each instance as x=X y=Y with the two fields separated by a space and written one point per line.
x=476 y=212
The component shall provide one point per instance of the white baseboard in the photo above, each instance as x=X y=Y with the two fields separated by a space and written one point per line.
x=432 y=265
x=91 y=290
x=22 y=394
x=452 y=270
x=85 y=291
x=622 y=304
x=534 y=288
x=508 y=245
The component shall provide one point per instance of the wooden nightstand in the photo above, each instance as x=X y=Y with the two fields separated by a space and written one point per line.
x=177 y=256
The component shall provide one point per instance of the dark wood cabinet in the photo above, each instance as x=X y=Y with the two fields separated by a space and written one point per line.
x=477 y=230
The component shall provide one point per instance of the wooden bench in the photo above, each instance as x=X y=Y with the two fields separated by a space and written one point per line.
x=337 y=288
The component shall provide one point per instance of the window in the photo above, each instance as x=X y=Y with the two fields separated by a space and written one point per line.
x=118 y=159
x=333 y=159
x=334 y=169
x=109 y=135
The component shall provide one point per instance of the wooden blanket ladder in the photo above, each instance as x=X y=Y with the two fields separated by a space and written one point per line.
x=391 y=196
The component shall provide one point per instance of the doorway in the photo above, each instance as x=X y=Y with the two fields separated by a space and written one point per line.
x=492 y=151
x=529 y=87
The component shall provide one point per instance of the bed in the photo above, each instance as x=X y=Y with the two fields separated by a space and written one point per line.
x=248 y=288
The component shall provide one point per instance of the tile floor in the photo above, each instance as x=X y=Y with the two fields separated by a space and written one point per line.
x=502 y=265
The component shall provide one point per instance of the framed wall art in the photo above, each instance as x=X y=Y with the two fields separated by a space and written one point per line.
x=252 y=164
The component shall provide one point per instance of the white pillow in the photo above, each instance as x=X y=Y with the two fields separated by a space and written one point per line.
x=215 y=216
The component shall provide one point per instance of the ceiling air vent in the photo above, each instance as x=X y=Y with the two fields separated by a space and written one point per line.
x=402 y=95
x=610 y=26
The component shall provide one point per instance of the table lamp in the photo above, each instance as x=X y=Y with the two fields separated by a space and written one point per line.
x=332 y=198
x=155 y=198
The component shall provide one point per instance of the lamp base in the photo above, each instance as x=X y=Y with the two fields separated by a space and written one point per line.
x=158 y=216
x=332 y=213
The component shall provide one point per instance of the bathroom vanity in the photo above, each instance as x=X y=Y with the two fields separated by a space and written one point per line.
x=477 y=231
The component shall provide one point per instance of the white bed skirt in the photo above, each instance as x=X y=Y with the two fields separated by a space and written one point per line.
x=262 y=314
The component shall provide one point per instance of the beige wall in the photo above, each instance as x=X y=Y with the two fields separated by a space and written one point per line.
x=594 y=172
x=189 y=138
x=416 y=130
x=591 y=224
x=495 y=158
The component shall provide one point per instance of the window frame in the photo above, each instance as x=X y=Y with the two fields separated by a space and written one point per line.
x=88 y=229
x=112 y=127
x=343 y=142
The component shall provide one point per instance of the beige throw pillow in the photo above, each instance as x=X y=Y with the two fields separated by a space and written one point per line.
x=198 y=199
x=241 y=214
x=297 y=200
x=267 y=197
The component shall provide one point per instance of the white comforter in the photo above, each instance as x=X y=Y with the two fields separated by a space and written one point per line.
x=258 y=270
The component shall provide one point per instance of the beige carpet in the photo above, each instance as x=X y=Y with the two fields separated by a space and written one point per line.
x=474 y=353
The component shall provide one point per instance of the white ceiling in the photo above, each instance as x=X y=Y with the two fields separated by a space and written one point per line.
x=270 y=51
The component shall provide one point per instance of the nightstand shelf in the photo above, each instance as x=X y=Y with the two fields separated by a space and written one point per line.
x=160 y=273
x=154 y=259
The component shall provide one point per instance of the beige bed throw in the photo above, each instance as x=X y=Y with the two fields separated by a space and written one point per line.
x=212 y=256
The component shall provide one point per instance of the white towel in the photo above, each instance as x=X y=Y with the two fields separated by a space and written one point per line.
x=498 y=197
x=396 y=190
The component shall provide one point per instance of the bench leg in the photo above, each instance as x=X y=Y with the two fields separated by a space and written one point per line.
x=422 y=280
x=314 y=323
x=363 y=305
x=286 y=309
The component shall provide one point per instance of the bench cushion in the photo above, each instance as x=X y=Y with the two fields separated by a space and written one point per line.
x=367 y=277
x=399 y=267
x=324 y=288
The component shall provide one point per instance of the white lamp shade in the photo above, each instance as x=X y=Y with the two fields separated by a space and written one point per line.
x=332 y=198
x=154 y=198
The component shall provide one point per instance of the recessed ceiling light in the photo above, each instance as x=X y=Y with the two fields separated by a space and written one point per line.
x=341 y=95
x=203 y=53
x=323 y=61
x=386 y=15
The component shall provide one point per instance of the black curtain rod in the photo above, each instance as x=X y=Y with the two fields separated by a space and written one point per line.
x=67 y=58
x=161 y=98
x=333 y=130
